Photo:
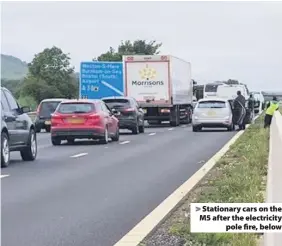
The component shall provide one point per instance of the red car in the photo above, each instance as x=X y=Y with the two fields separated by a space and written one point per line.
x=83 y=119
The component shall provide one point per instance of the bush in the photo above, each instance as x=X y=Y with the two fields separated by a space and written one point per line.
x=27 y=101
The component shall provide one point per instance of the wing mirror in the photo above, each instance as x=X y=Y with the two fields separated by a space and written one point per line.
x=114 y=111
x=25 y=109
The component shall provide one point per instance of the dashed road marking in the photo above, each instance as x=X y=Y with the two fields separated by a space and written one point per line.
x=170 y=129
x=79 y=155
x=4 y=176
x=124 y=142
x=152 y=134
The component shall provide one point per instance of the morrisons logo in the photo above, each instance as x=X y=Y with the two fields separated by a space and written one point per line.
x=147 y=82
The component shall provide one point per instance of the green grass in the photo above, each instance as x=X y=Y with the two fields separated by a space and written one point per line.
x=239 y=177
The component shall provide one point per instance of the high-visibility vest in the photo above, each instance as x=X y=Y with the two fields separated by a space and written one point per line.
x=272 y=108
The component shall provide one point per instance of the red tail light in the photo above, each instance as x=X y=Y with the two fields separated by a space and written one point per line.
x=56 y=120
x=94 y=116
x=129 y=110
x=94 y=119
x=38 y=109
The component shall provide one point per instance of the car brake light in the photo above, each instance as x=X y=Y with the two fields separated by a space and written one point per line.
x=38 y=109
x=165 y=110
x=56 y=120
x=129 y=110
x=94 y=116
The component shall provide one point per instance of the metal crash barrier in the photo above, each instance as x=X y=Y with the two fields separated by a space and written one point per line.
x=274 y=177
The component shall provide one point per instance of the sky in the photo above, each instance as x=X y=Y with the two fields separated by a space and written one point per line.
x=222 y=40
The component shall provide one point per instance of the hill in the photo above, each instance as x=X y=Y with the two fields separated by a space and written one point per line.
x=12 y=68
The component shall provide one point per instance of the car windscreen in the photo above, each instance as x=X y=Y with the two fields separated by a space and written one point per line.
x=211 y=88
x=47 y=108
x=76 y=108
x=212 y=104
x=117 y=103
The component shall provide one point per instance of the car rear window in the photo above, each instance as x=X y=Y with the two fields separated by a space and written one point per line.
x=117 y=103
x=212 y=104
x=48 y=108
x=76 y=108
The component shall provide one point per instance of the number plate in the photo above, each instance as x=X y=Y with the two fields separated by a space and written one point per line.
x=76 y=121
x=47 y=122
x=211 y=113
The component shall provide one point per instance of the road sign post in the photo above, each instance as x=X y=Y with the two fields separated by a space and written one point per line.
x=101 y=79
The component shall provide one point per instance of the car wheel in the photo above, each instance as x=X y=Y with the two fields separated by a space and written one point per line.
x=5 y=150
x=142 y=128
x=48 y=128
x=195 y=128
x=38 y=129
x=136 y=129
x=116 y=136
x=29 y=153
x=55 y=141
x=105 y=138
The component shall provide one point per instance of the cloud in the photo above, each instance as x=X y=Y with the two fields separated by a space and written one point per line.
x=222 y=40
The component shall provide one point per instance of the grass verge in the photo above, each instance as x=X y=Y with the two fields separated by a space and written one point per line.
x=240 y=176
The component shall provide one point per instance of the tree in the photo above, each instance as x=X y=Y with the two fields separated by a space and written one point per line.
x=138 y=47
x=50 y=75
x=51 y=65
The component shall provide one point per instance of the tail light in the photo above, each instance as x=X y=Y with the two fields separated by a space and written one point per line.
x=56 y=120
x=165 y=110
x=95 y=119
x=38 y=109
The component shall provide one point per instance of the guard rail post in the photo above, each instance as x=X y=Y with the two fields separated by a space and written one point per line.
x=274 y=176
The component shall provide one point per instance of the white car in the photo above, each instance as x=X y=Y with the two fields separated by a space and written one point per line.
x=212 y=113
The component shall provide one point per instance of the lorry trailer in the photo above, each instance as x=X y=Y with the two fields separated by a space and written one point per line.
x=162 y=86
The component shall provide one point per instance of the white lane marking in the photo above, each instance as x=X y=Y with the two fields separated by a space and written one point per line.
x=136 y=235
x=152 y=134
x=183 y=126
x=4 y=175
x=79 y=155
x=124 y=142
x=170 y=129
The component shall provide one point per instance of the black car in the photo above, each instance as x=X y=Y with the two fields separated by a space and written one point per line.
x=128 y=112
x=17 y=130
x=44 y=111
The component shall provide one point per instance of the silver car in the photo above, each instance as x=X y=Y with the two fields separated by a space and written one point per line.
x=212 y=113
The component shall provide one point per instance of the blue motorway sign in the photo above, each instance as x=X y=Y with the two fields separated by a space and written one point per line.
x=101 y=79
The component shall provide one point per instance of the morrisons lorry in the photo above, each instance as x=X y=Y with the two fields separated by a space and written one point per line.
x=162 y=85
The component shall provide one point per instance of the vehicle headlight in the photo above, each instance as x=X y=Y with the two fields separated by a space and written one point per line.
x=195 y=117
x=227 y=117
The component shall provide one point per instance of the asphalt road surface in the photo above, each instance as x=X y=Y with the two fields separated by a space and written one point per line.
x=88 y=194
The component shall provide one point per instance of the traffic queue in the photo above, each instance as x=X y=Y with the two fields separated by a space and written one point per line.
x=154 y=89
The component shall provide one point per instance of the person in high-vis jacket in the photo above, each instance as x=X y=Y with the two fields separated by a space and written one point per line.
x=271 y=107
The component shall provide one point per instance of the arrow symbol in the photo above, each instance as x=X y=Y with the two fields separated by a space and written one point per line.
x=198 y=209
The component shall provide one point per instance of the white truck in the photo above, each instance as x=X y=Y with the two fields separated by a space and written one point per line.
x=162 y=85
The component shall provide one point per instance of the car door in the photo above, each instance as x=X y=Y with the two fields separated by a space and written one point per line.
x=21 y=130
x=8 y=118
x=108 y=117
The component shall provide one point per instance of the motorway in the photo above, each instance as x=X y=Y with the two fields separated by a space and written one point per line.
x=88 y=194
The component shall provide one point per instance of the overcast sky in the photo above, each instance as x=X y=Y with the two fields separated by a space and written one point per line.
x=239 y=40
